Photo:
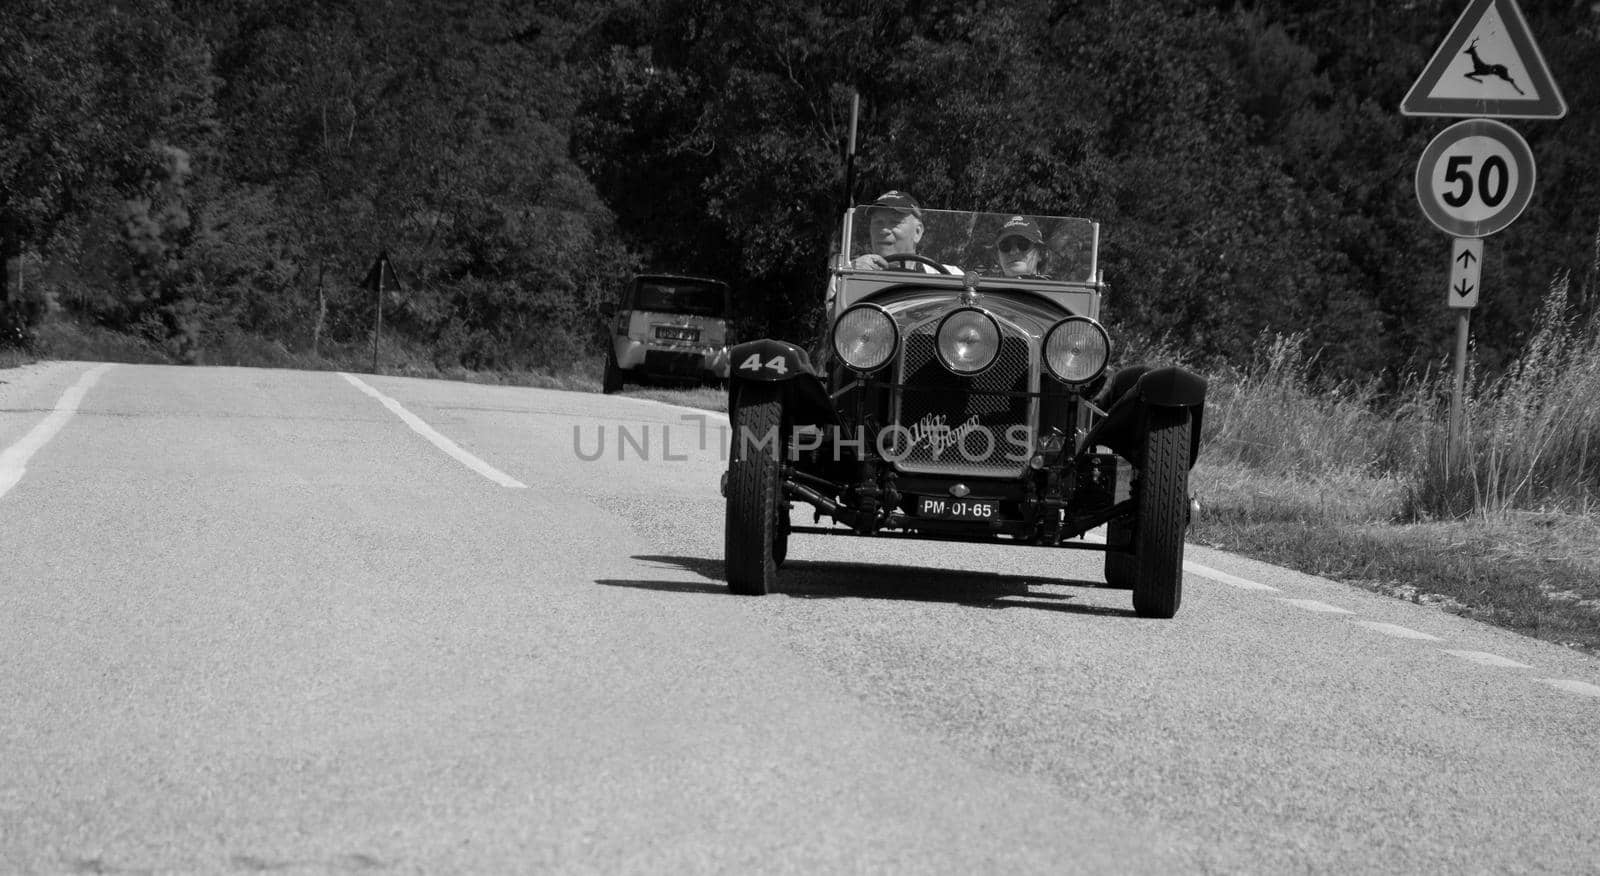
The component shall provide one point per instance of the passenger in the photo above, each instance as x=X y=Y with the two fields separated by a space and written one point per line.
x=1020 y=246
x=895 y=227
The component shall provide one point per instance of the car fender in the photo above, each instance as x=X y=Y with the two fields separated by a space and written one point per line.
x=1133 y=391
x=766 y=360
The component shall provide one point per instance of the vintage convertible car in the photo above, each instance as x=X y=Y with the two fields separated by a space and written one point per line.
x=971 y=407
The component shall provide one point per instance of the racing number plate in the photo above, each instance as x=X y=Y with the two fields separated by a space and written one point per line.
x=957 y=509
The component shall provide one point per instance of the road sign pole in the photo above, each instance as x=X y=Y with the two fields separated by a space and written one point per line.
x=377 y=329
x=1458 y=394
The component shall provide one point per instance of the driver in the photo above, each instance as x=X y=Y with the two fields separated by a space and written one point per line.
x=1020 y=244
x=895 y=223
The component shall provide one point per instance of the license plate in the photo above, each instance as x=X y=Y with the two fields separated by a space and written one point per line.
x=674 y=333
x=957 y=509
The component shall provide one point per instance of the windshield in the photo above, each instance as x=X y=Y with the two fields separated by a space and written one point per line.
x=968 y=241
x=680 y=295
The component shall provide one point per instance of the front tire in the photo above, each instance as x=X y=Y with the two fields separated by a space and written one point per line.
x=751 y=530
x=1163 y=514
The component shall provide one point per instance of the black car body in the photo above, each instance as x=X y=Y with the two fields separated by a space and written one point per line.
x=972 y=407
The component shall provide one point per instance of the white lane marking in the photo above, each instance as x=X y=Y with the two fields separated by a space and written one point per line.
x=14 y=461
x=1225 y=578
x=1313 y=605
x=1396 y=630
x=1577 y=687
x=1487 y=659
x=449 y=447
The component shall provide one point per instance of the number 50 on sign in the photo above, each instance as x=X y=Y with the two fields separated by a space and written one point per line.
x=1475 y=178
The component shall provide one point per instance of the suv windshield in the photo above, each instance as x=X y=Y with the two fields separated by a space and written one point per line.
x=680 y=295
x=967 y=240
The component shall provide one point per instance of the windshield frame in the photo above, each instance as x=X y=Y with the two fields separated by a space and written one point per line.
x=965 y=239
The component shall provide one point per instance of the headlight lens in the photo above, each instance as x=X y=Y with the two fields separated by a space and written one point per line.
x=1076 y=349
x=865 y=337
x=968 y=340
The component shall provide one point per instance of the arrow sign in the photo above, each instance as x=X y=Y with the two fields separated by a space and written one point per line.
x=1466 y=264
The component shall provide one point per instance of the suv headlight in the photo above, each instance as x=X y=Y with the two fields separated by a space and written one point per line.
x=968 y=340
x=865 y=337
x=1076 y=349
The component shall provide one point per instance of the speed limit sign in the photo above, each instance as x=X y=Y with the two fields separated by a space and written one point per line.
x=1475 y=178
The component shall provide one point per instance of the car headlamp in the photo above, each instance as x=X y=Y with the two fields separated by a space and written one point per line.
x=968 y=340
x=865 y=337
x=1077 y=349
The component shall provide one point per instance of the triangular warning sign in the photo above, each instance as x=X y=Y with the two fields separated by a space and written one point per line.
x=1487 y=67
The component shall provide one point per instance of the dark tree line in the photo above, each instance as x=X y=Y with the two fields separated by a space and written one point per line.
x=186 y=169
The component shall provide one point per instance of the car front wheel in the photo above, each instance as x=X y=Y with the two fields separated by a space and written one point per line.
x=754 y=493
x=1163 y=515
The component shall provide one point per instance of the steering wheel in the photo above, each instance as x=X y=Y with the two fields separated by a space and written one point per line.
x=919 y=259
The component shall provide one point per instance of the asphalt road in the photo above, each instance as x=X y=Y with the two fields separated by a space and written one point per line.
x=298 y=622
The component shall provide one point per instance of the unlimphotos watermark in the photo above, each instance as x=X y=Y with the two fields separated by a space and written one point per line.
x=930 y=438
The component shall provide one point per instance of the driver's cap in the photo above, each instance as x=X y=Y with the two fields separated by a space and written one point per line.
x=1020 y=226
x=899 y=202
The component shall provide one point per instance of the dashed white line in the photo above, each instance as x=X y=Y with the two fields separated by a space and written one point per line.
x=1486 y=659
x=1225 y=578
x=14 y=461
x=449 y=447
x=1396 y=630
x=1313 y=605
x=1578 y=687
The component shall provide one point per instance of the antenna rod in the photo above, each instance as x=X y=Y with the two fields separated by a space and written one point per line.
x=850 y=156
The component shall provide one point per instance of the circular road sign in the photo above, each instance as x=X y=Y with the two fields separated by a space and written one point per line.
x=1475 y=178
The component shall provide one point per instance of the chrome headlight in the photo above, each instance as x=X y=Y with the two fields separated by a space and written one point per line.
x=865 y=337
x=968 y=340
x=1076 y=349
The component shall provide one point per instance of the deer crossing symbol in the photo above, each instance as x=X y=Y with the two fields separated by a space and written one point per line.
x=1480 y=69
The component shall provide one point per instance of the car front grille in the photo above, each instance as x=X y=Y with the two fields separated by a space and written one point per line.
x=959 y=425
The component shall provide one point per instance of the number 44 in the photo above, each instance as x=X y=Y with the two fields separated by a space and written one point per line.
x=754 y=363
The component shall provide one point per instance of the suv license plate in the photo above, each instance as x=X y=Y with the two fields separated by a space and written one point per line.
x=673 y=333
x=957 y=509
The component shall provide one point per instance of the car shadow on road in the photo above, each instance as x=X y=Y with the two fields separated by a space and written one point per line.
x=823 y=579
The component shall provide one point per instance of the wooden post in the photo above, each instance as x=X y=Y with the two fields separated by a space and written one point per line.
x=377 y=331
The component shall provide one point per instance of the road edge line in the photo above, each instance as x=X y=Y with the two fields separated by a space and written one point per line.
x=14 y=459
x=450 y=448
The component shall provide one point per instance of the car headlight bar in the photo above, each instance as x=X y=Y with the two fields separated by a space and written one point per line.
x=865 y=337
x=1076 y=349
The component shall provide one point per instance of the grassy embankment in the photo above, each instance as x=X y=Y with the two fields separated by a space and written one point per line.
x=1336 y=481
x=1340 y=482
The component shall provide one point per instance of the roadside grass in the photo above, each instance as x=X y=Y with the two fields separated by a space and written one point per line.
x=10 y=358
x=1537 y=574
x=1341 y=482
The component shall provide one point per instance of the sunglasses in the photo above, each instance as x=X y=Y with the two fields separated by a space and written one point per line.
x=1015 y=244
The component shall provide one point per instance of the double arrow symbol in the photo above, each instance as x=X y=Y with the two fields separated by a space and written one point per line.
x=1466 y=259
x=1465 y=262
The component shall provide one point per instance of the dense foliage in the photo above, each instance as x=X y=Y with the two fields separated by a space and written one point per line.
x=185 y=170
